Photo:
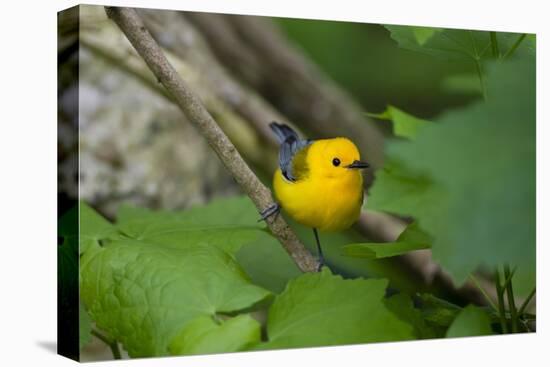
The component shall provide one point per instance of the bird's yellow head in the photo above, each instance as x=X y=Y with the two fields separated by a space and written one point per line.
x=337 y=157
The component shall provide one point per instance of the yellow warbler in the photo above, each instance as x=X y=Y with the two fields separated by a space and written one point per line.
x=318 y=182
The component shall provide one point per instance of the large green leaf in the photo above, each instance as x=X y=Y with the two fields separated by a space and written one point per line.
x=67 y=268
x=204 y=335
x=412 y=239
x=93 y=227
x=67 y=224
x=228 y=224
x=482 y=162
x=144 y=292
x=267 y=263
x=67 y=286
x=471 y=321
x=319 y=309
x=231 y=224
x=84 y=327
x=144 y=295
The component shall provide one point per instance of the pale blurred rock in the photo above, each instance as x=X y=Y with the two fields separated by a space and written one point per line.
x=134 y=146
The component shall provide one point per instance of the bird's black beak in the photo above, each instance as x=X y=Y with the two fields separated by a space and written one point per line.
x=358 y=165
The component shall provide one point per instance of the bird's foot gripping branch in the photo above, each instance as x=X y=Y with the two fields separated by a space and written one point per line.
x=272 y=210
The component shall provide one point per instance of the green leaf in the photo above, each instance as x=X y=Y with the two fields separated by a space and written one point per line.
x=382 y=250
x=231 y=224
x=67 y=281
x=143 y=294
x=267 y=263
x=481 y=160
x=423 y=34
x=67 y=225
x=462 y=83
x=203 y=335
x=85 y=327
x=455 y=43
x=354 y=267
x=436 y=311
x=412 y=239
x=227 y=223
x=402 y=306
x=404 y=124
x=319 y=309
x=471 y=321
x=67 y=259
x=446 y=43
x=93 y=227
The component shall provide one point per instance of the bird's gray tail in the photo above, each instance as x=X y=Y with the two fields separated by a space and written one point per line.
x=283 y=132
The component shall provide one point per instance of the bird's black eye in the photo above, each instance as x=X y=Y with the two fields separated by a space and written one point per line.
x=336 y=162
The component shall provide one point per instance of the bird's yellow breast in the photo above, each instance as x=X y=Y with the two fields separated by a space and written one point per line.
x=325 y=203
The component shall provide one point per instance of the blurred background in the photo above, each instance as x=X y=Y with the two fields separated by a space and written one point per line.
x=365 y=61
x=135 y=148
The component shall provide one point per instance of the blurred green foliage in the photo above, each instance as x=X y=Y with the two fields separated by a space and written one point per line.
x=469 y=178
x=483 y=158
x=365 y=60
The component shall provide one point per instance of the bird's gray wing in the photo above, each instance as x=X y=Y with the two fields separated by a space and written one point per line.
x=290 y=144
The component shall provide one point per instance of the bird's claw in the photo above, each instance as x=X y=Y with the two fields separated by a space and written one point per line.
x=273 y=209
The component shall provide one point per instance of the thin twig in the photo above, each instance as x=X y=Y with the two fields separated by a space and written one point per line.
x=526 y=302
x=113 y=344
x=500 y=296
x=511 y=300
x=509 y=278
x=493 y=306
x=132 y=26
x=481 y=79
x=514 y=46
x=494 y=44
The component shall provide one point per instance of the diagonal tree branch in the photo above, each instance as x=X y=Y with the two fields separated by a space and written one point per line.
x=132 y=26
